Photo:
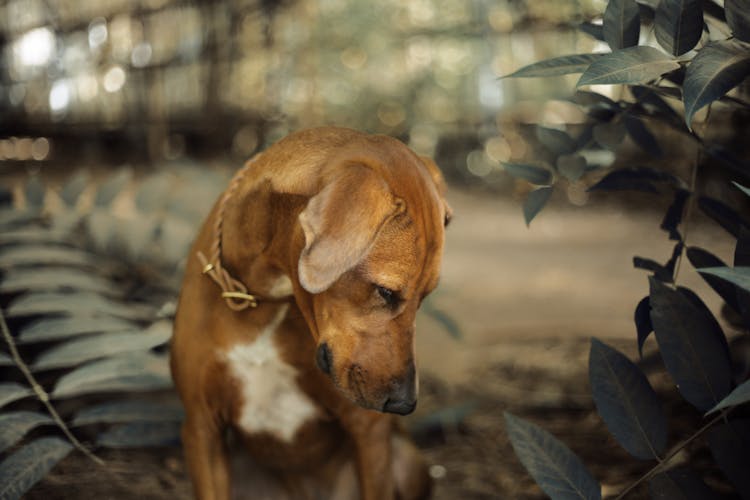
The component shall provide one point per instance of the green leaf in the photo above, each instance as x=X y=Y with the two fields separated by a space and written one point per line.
x=556 y=469
x=622 y=24
x=610 y=135
x=141 y=434
x=531 y=173
x=678 y=25
x=44 y=254
x=54 y=278
x=563 y=65
x=742 y=188
x=571 y=166
x=152 y=194
x=21 y=470
x=700 y=258
x=632 y=65
x=724 y=215
x=715 y=70
x=5 y=360
x=534 y=203
x=15 y=425
x=739 y=275
x=557 y=141
x=642 y=136
x=130 y=411
x=74 y=187
x=11 y=391
x=692 y=345
x=81 y=303
x=109 y=190
x=126 y=373
x=642 y=318
x=740 y=395
x=738 y=18
x=60 y=328
x=626 y=402
x=77 y=351
x=34 y=192
x=594 y=30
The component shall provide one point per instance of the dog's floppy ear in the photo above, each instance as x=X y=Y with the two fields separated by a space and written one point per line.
x=340 y=224
x=437 y=178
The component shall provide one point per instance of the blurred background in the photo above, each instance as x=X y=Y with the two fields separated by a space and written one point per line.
x=158 y=80
x=188 y=90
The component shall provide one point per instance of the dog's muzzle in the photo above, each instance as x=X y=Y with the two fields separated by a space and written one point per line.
x=402 y=398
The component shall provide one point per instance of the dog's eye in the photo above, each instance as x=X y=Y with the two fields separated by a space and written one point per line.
x=388 y=295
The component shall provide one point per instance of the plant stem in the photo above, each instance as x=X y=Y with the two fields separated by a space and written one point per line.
x=688 y=212
x=658 y=467
x=41 y=393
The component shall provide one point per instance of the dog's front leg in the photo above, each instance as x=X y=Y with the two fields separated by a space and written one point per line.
x=207 y=458
x=372 y=434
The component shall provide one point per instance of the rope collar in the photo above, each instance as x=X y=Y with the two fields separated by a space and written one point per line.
x=233 y=291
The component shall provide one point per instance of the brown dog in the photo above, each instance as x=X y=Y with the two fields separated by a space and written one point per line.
x=338 y=235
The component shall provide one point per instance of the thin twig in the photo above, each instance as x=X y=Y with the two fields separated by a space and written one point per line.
x=41 y=393
x=688 y=213
x=658 y=467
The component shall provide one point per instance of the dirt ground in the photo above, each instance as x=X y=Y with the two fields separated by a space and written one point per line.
x=527 y=301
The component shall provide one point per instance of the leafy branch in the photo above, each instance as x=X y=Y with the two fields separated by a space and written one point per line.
x=42 y=394
x=693 y=346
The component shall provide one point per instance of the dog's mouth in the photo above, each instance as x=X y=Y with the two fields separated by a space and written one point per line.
x=400 y=398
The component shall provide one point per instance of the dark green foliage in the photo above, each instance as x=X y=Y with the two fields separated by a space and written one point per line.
x=23 y=468
x=642 y=318
x=715 y=70
x=531 y=173
x=673 y=217
x=738 y=18
x=564 y=65
x=572 y=167
x=626 y=402
x=639 y=64
x=70 y=296
x=622 y=24
x=691 y=343
x=727 y=217
x=642 y=136
x=702 y=259
x=557 y=141
x=739 y=396
x=693 y=346
x=739 y=276
x=556 y=469
x=678 y=25
x=534 y=203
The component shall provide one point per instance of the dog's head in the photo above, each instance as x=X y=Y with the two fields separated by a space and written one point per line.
x=373 y=246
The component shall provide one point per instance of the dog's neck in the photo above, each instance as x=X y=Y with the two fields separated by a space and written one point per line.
x=261 y=244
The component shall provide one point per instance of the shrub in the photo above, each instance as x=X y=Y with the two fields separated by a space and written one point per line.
x=694 y=54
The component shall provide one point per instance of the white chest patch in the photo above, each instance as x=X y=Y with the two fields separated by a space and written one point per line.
x=272 y=400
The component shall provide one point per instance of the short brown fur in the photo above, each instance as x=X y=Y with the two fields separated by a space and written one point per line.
x=337 y=212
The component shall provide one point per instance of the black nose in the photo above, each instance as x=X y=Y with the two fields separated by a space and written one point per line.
x=403 y=396
x=399 y=406
x=324 y=358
